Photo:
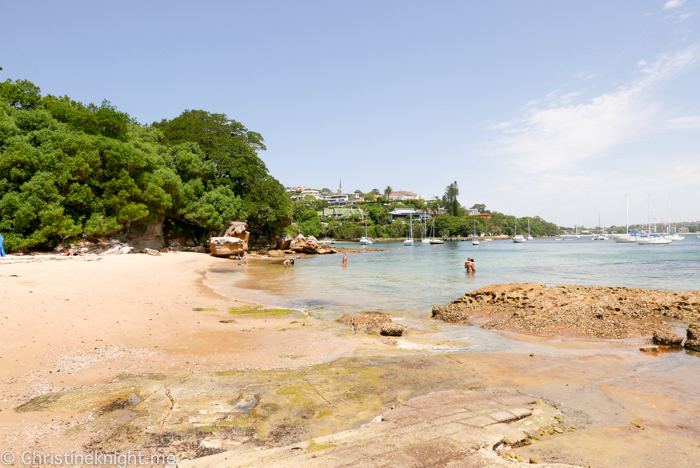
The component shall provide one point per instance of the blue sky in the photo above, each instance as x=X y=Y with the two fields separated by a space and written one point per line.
x=549 y=108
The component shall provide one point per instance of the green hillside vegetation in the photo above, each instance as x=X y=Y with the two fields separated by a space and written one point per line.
x=72 y=171
x=379 y=225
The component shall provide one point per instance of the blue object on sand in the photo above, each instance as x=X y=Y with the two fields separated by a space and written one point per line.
x=2 y=251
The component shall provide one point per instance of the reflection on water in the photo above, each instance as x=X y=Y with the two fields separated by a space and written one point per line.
x=409 y=280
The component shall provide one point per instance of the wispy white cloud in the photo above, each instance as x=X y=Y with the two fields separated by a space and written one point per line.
x=690 y=122
x=673 y=4
x=559 y=132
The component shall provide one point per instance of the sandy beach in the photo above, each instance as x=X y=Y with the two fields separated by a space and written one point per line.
x=76 y=321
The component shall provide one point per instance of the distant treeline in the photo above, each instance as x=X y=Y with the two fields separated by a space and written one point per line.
x=379 y=224
x=71 y=171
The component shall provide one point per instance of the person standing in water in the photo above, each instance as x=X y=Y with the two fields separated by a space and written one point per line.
x=288 y=263
x=245 y=257
x=469 y=265
x=345 y=259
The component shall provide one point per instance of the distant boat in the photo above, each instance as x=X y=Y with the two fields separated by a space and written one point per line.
x=627 y=238
x=475 y=241
x=365 y=240
x=487 y=239
x=517 y=238
x=652 y=239
x=409 y=241
x=529 y=237
x=425 y=239
x=674 y=236
x=433 y=239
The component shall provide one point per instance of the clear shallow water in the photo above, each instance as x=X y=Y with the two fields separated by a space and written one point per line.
x=409 y=280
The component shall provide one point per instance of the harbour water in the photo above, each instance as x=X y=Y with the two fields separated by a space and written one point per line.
x=409 y=280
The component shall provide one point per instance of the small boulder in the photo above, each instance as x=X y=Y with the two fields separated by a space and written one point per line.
x=275 y=253
x=284 y=242
x=693 y=332
x=226 y=246
x=667 y=339
x=151 y=251
x=391 y=329
x=692 y=345
x=649 y=349
x=371 y=322
x=346 y=320
x=447 y=315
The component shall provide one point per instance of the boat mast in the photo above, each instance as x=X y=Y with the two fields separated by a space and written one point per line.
x=628 y=215
x=649 y=214
x=669 y=215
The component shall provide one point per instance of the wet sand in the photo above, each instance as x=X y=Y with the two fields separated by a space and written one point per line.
x=85 y=321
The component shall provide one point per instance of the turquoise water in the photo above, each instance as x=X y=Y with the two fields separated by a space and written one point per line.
x=407 y=280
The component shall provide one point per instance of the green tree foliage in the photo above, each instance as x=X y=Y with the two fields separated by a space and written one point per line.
x=450 y=199
x=20 y=94
x=71 y=170
x=233 y=150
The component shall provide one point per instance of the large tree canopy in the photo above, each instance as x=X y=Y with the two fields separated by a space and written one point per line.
x=233 y=150
x=70 y=170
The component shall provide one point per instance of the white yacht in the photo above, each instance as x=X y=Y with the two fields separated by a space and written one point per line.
x=627 y=238
x=433 y=239
x=475 y=241
x=674 y=236
x=529 y=237
x=365 y=240
x=425 y=239
x=409 y=240
x=652 y=239
x=517 y=238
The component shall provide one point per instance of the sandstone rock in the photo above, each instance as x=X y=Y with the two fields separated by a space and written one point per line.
x=325 y=249
x=649 y=349
x=309 y=245
x=284 y=242
x=371 y=322
x=692 y=345
x=226 y=246
x=151 y=252
x=110 y=247
x=346 y=320
x=391 y=329
x=667 y=339
x=233 y=240
x=275 y=253
x=598 y=311
x=693 y=332
x=211 y=443
x=141 y=236
x=447 y=315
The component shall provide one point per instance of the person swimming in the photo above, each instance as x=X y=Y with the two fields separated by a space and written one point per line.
x=469 y=265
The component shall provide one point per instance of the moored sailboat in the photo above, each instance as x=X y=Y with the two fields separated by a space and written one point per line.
x=365 y=240
x=517 y=238
x=409 y=240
